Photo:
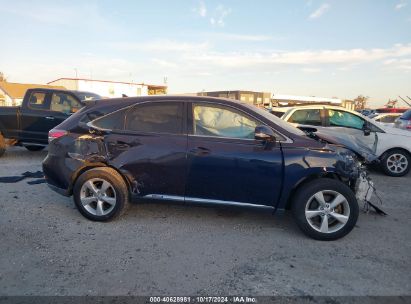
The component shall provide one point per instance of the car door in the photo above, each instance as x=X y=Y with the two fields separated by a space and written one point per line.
x=349 y=123
x=149 y=147
x=43 y=112
x=35 y=117
x=225 y=163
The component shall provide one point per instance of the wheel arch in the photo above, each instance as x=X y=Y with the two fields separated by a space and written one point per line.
x=95 y=166
x=306 y=180
x=394 y=148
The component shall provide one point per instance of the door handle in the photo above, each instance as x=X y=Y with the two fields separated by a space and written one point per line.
x=200 y=151
x=120 y=145
x=50 y=117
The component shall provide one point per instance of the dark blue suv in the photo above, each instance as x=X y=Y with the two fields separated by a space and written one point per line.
x=201 y=150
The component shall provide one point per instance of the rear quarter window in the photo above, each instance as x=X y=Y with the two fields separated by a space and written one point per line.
x=112 y=121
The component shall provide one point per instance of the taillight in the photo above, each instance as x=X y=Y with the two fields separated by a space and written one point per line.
x=54 y=133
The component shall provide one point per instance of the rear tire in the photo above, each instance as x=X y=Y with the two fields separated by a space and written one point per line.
x=2 y=145
x=101 y=194
x=325 y=209
x=396 y=162
x=34 y=148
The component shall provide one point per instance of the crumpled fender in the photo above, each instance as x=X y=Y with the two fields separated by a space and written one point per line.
x=301 y=164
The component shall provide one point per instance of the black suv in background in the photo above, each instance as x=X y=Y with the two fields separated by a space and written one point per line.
x=41 y=110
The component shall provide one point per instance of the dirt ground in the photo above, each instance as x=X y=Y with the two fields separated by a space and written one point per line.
x=48 y=248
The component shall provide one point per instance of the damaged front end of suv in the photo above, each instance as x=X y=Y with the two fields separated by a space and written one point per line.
x=353 y=156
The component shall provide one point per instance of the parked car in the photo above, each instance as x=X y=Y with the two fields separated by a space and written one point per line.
x=386 y=119
x=41 y=110
x=391 y=145
x=367 y=112
x=279 y=111
x=203 y=150
x=404 y=121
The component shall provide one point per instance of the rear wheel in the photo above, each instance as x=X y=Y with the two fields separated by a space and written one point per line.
x=2 y=145
x=396 y=162
x=325 y=209
x=101 y=194
x=34 y=148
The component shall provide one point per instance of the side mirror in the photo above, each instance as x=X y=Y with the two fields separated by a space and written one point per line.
x=366 y=130
x=264 y=133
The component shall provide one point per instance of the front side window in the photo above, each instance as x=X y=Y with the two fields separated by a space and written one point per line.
x=209 y=120
x=306 y=117
x=37 y=100
x=157 y=117
x=65 y=103
x=339 y=118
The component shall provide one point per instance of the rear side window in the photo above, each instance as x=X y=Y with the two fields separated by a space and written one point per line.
x=113 y=121
x=158 y=117
x=37 y=100
x=64 y=103
x=406 y=115
x=306 y=117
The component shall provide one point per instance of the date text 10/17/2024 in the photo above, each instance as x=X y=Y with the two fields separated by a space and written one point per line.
x=205 y=299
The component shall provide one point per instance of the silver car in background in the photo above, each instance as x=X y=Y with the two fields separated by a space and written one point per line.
x=404 y=121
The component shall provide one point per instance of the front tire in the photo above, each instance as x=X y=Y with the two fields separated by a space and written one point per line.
x=325 y=209
x=101 y=194
x=34 y=148
x=396 y=162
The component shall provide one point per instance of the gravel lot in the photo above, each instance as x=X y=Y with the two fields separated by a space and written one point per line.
x=48 y=248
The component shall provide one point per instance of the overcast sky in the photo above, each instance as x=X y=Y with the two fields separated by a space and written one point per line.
x=301 y=47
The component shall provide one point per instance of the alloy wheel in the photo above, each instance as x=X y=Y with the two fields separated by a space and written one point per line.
x=98 y=196
x=397 y=163
x=327 y=211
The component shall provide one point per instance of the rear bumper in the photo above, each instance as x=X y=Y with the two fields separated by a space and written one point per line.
x=57 y=174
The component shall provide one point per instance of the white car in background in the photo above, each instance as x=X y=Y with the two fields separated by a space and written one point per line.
x=387 y=119
x=391 y=145
x=279 y=111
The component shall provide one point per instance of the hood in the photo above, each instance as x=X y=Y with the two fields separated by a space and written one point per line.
x=395 y=131
x=348 y=141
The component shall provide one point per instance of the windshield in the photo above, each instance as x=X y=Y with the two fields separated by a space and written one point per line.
x=278 y=121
